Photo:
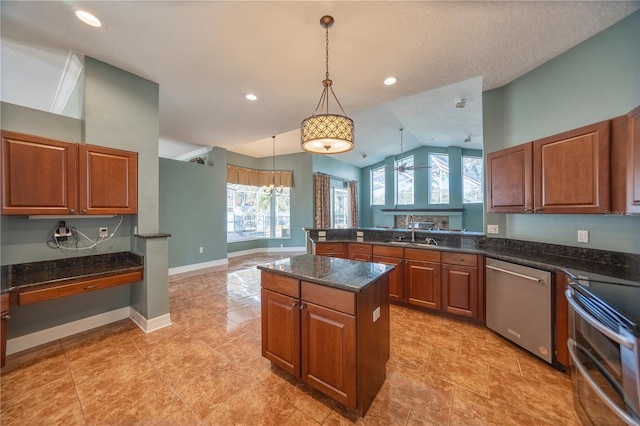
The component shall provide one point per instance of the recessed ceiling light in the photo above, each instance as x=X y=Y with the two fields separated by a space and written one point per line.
x=390 y=81
x=88 y=18
x=251 y=96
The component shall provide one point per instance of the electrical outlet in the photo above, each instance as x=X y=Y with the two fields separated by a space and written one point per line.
x=201 y=250
x=493 y=229
x=104 y=232
x=583 y=236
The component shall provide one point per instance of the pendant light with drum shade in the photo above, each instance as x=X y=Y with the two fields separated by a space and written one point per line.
x=322 y=132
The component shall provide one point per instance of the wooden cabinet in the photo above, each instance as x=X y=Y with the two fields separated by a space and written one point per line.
x=509 y=180
x=563 y=173
x=572 y=171
x=4 y=319
x=460 y=278
x=422 y=278
x=43 y=176
x=326 y=336
x=392 y=256
x=359 y=251
x=331 y=249
x=625 y=163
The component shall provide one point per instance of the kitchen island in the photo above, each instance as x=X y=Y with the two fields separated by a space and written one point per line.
x=326 y=321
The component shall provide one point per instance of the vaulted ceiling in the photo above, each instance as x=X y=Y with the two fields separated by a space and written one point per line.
x=207 y=55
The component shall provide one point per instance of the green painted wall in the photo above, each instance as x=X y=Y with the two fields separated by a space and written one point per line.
x=193 y=209
x=373 y=216
x=596 y=80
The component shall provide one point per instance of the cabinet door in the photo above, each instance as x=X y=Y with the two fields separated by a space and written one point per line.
x=396 y=277
x=329 y=352
x=460 y=290
x=633 y=167
x=422 y=283
x=571 y=171
x=108 y=182
x=39 y=176
x=281 y=330
x=331 y=249
x=510 y=180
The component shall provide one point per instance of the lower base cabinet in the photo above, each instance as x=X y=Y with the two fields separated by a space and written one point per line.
x=326 y=336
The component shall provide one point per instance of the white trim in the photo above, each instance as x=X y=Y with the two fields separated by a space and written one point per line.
x=267 y=250
x=149 y=325
x=27 y=341
x=196 y=266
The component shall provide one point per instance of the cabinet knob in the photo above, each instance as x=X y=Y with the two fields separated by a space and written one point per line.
x=84 y=211
x=294 y=304
x=302 y=306
x=72 y=211
x=6 y=317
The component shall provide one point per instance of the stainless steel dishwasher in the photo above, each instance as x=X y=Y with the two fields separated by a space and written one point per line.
x=519 y=306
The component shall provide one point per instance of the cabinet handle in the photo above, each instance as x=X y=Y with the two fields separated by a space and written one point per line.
x=72 y=211
x=302 y=306
x=6 y=317
x=84 y=211
x=459 y=259
x=89 y=287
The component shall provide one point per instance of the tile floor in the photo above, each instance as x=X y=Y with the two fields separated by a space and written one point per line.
x=206 y=368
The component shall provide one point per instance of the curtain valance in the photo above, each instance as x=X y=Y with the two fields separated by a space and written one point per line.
x=244 y=176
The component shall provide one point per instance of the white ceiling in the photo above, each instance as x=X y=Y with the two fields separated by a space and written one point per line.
x=207 y=55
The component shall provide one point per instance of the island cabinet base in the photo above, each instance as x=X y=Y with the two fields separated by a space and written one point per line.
x=335 y=340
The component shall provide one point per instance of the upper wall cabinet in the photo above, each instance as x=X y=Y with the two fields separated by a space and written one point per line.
x=42 y=176
x=564 y=173
x=509 y=180
x=625 y=163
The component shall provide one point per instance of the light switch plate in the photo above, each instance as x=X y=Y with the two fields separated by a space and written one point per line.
x=583 y=236
x=493 y=229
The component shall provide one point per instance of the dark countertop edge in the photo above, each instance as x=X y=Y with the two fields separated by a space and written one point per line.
x=152 y=236
x=389 y=229
x=326 y=282
x=69 y=280
x=536 y=260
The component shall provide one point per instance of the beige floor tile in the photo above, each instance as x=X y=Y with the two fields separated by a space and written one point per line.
x=81 y=344
x=255 y=405
x=30 y=369
x=463 y=372
x=55 y=403
x=492 y=353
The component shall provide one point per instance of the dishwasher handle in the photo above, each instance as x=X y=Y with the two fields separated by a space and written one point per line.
x=506 y=271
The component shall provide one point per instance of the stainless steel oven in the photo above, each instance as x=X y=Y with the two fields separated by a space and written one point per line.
x=605 y=367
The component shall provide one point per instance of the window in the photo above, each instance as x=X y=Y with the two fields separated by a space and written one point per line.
x=404 y=180
x=251 y=214
x=439 y=178
x=472 y=180
x=377 y=186
x=339 y=208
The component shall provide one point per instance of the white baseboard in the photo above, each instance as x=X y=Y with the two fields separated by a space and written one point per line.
x=196 y=266
x=41 y=337
x=32 y=340
x=267 y=250
x=152 y=324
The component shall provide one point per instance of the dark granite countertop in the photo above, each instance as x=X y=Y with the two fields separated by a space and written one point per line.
x=551 y=257
x=350 y=275
x=24 y=275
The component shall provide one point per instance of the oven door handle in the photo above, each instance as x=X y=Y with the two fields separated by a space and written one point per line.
x=571 y=344
x=627 y=343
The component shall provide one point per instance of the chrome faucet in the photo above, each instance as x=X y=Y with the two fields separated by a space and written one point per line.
x=411 y=225
x=431 y=241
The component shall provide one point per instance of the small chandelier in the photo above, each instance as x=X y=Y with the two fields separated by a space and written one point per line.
x=326 y=133
x=271 y=190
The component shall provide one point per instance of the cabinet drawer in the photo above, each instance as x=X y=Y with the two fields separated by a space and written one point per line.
x=359 y=248
x=28 y=297
x=280 y=284
x=464 y=259
x=329 y=248
x=388 y=251
x=333 y=298
x=422 y=254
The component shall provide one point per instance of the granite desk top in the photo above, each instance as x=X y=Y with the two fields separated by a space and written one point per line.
x=24 y=275
x=350 y=275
